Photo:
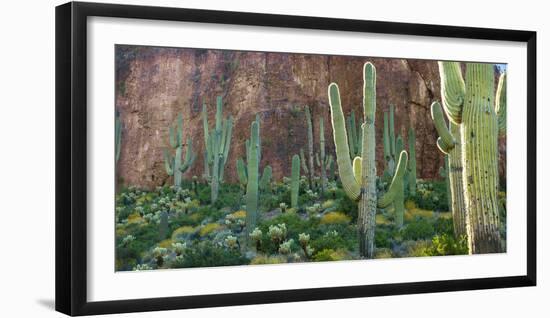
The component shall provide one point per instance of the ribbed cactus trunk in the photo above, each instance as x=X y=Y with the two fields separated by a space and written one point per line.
x=295 y=181
x=253 y=179
x=310 y=160
x=366 y=220
x=322 y=163
x=458 y=206
x=480 y=155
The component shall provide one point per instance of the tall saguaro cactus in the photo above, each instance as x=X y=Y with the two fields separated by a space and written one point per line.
x=118 y=136
x=253 y=178
x=173 y=164
x=308 y=164
x=450 y=143
x=242 y=166
x=412 y=162
x=471 y=103
x=217 y=143
x=323 y=161
x=295 y=181
x=361 y=185
x=389 y=141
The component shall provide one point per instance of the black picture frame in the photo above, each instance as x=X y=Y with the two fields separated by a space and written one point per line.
x=71 y=157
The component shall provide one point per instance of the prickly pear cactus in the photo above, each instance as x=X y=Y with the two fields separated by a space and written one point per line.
x=362 y=187
x=472 y=104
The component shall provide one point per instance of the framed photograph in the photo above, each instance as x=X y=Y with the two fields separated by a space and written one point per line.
x=208 y=158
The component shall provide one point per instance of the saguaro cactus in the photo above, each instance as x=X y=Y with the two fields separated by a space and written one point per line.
x=295 y=181
x=242 y=166
x=471 y=104
x=253 y=179
x=217 y=143
x=173 y=164
x=361 y=185
x=118 y=136
x=308 y=165
x=412 y=162
x=323 y=161
x=389 y=141
x=450 y=143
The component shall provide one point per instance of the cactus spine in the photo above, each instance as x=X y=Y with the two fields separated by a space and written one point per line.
x=412 y=162
x=362 y=188
x=450 y=143
x=173 y=164
x=295 y=181
x=253 y=178
x=217 y=143
x=471 y=104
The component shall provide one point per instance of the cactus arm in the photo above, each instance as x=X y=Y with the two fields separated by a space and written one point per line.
x=398 y=144
x=500 y=107
x=190 y=156
x=386 y=138
x=453 y=90
x=303 y=161
x=351 y=187
x=179 y=133
x=168 y=163
x=295 y=181
x=446 y=141
x=118 y=134
x=357 y=167
x=241 y=171
x=392 y=132
x=389 y=196
x=265 y=180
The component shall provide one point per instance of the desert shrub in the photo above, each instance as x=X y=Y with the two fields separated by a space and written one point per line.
x=330 y=240
x=417 y=248
x=447 y=245
x=346 y=205
x=209 y=228
x=383 y=236
x=230 y=195
x=383 y=253
x=431 y=195
x=207 y=254
x=183 y=232
x=268 y=259
x=444 y=226
x=330 y=255
x=335 y=218
x=419 y=228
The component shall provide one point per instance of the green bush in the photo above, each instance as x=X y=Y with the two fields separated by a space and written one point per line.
x=431 y=195
x=207 y=254
x=447 y=245
x=418 y=229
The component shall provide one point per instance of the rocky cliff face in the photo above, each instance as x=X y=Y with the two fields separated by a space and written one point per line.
x=155 y=84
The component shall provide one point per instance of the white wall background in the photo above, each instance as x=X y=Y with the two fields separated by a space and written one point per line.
x=27 y=159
